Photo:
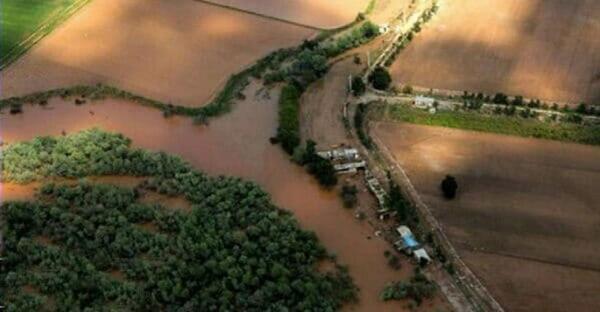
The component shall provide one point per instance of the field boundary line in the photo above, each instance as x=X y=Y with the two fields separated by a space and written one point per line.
x=261 y=15
x=534 y=259
x=45 y=28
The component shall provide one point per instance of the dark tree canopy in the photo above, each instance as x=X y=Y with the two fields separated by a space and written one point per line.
x=98 y=247
x=449 y=187
x=358 y=86
x=380 y=78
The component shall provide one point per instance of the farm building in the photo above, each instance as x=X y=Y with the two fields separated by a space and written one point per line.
x=409 y=244
x=348 y=154
x=424 y=102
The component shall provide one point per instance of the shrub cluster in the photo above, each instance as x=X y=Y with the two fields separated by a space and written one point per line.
x=358 y=36
x=417 y=289
x=359 y=120
x=322 y=169
x=395 y=201
x=309 y=63
x=288 y=132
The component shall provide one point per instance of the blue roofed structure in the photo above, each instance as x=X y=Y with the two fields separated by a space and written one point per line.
x=409 y=241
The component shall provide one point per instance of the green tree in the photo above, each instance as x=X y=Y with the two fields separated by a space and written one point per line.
x=380 y=78
x=358 y=86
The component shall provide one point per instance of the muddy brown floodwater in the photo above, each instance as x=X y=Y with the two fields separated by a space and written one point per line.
x=237 y=145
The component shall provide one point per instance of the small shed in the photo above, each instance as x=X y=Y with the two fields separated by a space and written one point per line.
x=421 y=255
x=424 y=102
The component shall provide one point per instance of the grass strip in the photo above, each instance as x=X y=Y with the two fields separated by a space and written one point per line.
x=566 y=132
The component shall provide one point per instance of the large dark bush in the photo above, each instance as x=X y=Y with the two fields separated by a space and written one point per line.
x=380 y=78
x=449 y=187
x=358 y=86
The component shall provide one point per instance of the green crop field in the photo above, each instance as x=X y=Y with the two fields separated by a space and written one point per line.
x=25 y=22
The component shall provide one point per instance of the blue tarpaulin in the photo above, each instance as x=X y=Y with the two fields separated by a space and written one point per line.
x=409 y=241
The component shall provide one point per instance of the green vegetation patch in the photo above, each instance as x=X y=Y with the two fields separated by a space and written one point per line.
x=288 y=132
x=417 y=289
x=97 y=247
x=24 y=22
x=568 y=132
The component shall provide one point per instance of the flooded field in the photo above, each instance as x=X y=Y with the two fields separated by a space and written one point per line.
x=314 y=13
x=177 y=51
x=236 y=144
x=527 y=215
x=544 y=49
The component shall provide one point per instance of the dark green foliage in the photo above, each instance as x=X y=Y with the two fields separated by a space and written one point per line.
x=16 y=108
x=358 y=86
x=234 y=251
x=449 y=187
x=395 y=201
x=359 y=119
x=417 y=289
x=500 y=98
x=288 y=132
x=380 y=78
x=323 y=170
x=348 y=194
x=518 y=101
x=358 y=36
x=309 y=66
x=318 y=166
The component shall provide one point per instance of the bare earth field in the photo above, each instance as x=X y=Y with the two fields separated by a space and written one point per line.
x=547 y=49
x=314 y=13
x=177 y=51
x=527 y=215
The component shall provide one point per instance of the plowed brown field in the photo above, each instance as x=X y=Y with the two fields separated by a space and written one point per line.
x=314 y=13
x=548 y=49
x=178 y=51
x=527 y=215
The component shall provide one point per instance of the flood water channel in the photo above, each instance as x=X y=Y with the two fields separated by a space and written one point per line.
x=236 y=144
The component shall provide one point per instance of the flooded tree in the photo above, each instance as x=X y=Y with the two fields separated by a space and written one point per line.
x=97 y=246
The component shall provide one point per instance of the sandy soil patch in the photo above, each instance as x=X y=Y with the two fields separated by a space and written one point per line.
x=314 y=13
x=546 y=49
x=527 y=211
x=177 y=51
